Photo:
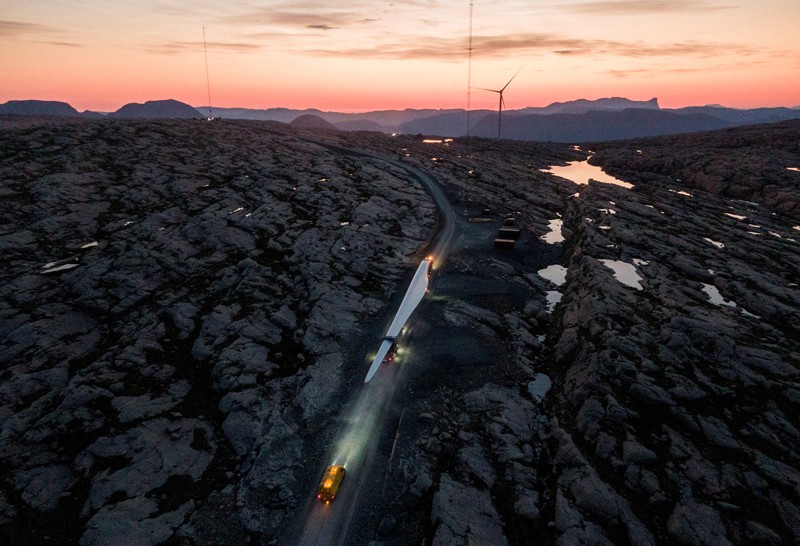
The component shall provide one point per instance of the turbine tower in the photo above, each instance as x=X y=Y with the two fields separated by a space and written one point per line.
x=501 y=102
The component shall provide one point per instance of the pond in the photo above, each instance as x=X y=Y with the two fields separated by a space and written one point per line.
x=624 y=272
x=581 y=172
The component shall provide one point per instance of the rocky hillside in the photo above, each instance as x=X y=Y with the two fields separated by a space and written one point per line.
x=187 y=307
x=757 y=163
x=168 y=289
x=669 y=332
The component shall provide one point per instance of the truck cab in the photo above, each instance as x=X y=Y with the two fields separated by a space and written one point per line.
x=392 y=350
x=329 y=485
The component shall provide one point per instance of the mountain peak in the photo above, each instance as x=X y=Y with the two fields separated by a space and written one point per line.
x=168 y=108
x=38 y=108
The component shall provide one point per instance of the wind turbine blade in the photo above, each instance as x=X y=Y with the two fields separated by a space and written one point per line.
x=484 y=89
x=512 y=78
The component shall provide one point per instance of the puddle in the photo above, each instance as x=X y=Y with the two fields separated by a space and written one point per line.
x=581 y=172
x=715 y=243
x=737 y=216
x=640 y=262
x=796 y=227
x=795 y=169
x=682 y=192
x=607 y=211
x=240 y=209
x=554 y=235
x=604 y=227
x=624 y=273
x=556 y=274
x=50 y=269
x=778 y=235
x=89 y=245
x=553 y=297
x=539 y=386
x=715 y=297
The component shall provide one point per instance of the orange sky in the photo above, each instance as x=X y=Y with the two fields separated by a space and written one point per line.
x=371 y=54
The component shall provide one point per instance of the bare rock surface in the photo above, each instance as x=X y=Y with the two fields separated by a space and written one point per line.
x=668 y=419
x=178 y=303
x=464 y=516
x=186 y=307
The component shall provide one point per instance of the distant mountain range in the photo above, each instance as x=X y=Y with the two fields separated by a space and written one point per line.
x=581 y=120
x=151 y=109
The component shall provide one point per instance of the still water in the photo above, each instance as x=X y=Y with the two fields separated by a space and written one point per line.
x=581 y=172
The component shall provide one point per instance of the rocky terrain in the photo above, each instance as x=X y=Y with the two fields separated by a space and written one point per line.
x=178 y=304
x=670 y=417
x=187 y=305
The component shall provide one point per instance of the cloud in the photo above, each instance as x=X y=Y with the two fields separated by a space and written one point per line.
x=642 y=7
x=532 y=43
x=309 y=14
x=13 y=28
x=171 y=48
x=63 y=44
x=42 y=34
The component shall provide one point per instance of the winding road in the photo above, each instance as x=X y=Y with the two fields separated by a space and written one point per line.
x=358 y=441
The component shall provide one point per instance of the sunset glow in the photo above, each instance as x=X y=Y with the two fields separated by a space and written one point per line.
x=367 y=55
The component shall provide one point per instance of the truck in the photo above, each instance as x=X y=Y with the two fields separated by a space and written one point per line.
x=392 y=350
x=329 y=485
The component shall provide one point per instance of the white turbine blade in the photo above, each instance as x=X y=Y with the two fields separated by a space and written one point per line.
x=376 y=363
x=414 y=294
x=512 y=79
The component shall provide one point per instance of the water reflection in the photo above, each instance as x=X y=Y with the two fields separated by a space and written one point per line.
x=556 y=274
x=553 y=297
x=581 y=172
x=624 y=273
x=554 y=235
x=715 y=297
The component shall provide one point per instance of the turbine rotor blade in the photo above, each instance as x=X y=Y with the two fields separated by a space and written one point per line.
x=512 y=78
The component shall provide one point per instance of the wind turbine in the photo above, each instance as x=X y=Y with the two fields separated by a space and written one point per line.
x=501 y=102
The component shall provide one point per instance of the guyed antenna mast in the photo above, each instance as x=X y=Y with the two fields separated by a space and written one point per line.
x=469 y=67
x=208 y=80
